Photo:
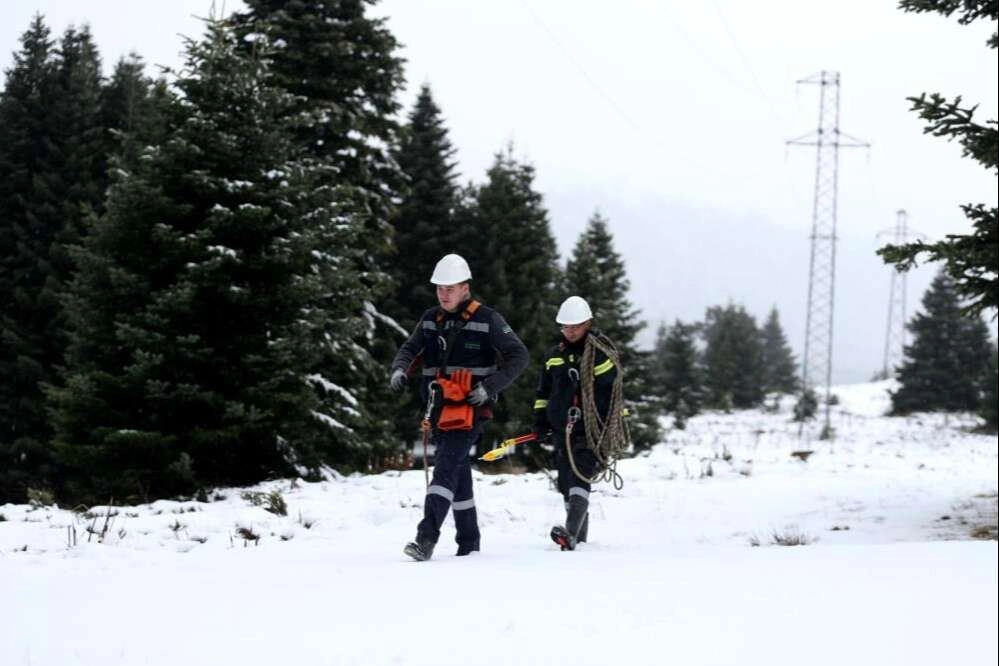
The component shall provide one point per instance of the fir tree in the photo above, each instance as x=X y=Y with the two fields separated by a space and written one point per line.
x=195 y=302
x=342 y=69
x=596 y=272
x=514 y=266
x=29 y=207
x=50 y=180
x=779 y=366
x=424 y=222
x=971 y=259
x=679 y=375
x=947 y=365
x=135 y=111
x=733 y=358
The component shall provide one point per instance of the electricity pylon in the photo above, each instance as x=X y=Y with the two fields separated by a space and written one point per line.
x=895 y=329
x=828 y=139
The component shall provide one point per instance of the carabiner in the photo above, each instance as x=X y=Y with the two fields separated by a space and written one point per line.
x=574 y=414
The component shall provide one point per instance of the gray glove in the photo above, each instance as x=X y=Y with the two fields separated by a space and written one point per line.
x=398 y=380
x=478 y=395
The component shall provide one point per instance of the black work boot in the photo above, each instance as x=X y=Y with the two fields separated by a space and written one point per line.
x=584 y=530
x=420 y=550
x=567 y=537
x=562 y=537
x=466 y=548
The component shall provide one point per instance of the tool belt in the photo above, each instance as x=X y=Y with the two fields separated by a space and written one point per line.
x=455 y=413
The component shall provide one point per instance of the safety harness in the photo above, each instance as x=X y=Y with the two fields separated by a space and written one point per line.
x=446 y=395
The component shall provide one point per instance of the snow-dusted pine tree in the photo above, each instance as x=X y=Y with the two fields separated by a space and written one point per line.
x=779 y=366
x=946 y=366
x=197 y=311
x=51 y=175
x=679 y=377
x=733 y=358
x=342 y=67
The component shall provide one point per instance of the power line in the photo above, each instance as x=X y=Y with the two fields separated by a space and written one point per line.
x=568 y=56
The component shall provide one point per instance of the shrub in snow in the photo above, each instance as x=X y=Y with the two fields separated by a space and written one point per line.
x=272 y=501
x=37 y=497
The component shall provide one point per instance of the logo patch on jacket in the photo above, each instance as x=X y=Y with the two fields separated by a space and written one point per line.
x=473 y=345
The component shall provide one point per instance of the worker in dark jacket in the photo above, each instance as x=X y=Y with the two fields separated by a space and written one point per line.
x=558 y=412
x=459 y=343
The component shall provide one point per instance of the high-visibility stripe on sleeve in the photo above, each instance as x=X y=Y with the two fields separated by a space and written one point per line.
x=540 y=404
x=552 y=362
x=606 y=366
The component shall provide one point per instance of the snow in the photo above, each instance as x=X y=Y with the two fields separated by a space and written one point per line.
x=890 y=575
x=329 y=386
x=222 y=250
x=330 y=421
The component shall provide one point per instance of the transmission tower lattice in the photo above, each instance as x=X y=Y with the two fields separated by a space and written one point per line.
x=895 y=330
x=817 y=359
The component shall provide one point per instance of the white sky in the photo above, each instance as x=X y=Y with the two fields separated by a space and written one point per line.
x=670 y=118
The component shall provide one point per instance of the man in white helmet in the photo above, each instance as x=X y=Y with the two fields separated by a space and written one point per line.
x=459 y=343
x=558 y=414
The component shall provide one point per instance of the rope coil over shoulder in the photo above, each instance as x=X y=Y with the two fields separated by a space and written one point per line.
x=609 y=439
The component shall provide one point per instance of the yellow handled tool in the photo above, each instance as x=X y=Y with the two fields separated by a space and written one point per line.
x=506 y=447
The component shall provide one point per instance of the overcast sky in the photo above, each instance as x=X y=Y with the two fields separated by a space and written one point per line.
x=670 y=118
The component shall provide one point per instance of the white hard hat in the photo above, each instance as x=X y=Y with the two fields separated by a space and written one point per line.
x=451 y=269
x=574 y=310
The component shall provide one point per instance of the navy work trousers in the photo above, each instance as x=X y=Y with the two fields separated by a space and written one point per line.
x=586 y=463
x=451 y=488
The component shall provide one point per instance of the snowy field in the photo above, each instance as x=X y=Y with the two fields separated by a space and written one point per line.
x=899 y=564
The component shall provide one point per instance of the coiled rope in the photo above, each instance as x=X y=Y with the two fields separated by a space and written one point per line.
x=608 y=439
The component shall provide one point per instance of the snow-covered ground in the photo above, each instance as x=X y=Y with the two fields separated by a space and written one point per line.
x=891 y=572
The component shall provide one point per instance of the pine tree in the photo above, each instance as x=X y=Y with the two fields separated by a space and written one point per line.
x=596 y=272
x=28 y=216
x=424 y=222
x=779 y=366
x=50 y=178
x=679 y=375
x=971 y=259
x=342 y=68
x=514 y=268
x=135 y=111
x=195 y=304
x=733 y=358
x=947 y=365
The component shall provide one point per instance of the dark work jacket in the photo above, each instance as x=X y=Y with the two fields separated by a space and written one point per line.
x=485 y=345
x=558 y=391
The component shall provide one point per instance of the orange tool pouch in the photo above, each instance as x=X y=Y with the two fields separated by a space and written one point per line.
x=456 y=413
